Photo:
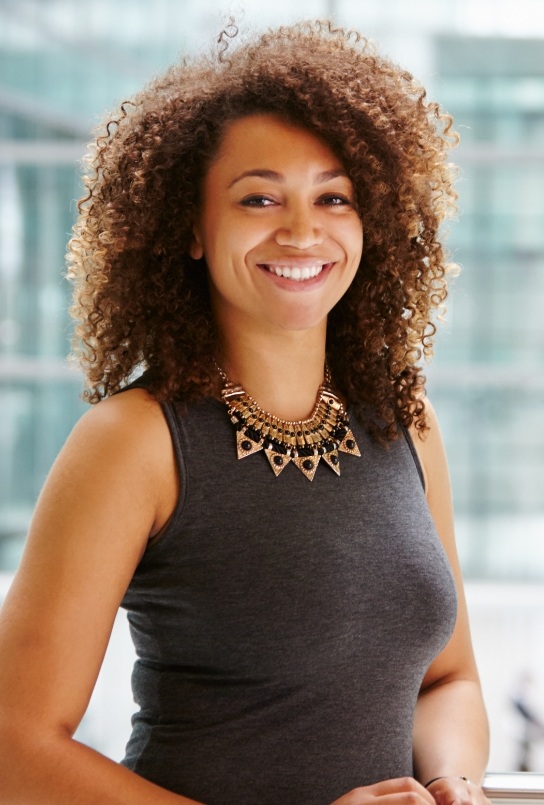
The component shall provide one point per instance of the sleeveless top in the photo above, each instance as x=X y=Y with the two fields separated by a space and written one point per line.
x=283 y=627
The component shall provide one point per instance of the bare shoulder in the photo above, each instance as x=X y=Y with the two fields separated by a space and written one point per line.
x=430 y=449
x=124 y=427
x=122 y=413
x=126 y=437
x=112 y=486
x=432 y=455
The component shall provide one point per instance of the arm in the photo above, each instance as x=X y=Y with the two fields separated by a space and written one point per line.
x=450 y=732
x=113 y=485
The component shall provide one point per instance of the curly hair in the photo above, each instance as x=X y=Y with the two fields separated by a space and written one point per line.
x=143 y=303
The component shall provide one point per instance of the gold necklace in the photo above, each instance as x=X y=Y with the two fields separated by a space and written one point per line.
x=304 y=442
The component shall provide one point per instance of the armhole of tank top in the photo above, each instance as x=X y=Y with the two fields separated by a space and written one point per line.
x=172 y=420
x=413 y=451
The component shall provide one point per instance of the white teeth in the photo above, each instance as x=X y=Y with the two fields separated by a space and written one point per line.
x=295 y=272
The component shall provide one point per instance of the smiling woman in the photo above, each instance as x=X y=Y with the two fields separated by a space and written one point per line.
x=301 y=631
x=281 y=245
x=146 y=181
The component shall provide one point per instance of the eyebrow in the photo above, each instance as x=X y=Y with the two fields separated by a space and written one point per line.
x=273 y=176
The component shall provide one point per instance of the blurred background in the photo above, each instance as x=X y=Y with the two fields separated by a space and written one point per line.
x=64 y=63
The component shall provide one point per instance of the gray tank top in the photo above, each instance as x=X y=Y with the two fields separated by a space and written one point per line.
x=283 y=627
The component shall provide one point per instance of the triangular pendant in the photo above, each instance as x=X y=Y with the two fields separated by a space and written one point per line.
x=246 y=446
x=278 y=462
x=332 y=460
x=307 y=465
x=349 y=445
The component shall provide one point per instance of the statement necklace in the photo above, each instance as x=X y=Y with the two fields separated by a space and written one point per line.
x=304 y=442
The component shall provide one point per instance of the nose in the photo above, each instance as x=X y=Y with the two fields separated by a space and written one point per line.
x=299 y=229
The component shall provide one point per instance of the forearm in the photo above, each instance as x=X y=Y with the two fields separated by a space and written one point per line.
x=54 y=770
x=451 y=732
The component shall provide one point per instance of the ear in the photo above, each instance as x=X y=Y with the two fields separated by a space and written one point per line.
x=196 y=249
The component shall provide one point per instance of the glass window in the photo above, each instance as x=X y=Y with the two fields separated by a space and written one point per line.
x=63 y=63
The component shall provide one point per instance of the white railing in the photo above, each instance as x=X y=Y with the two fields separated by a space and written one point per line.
x=510 y=788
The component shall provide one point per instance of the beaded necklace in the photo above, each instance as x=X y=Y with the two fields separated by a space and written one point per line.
x=303 y=442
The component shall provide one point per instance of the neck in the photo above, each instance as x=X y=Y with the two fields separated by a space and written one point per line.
x=282 y=374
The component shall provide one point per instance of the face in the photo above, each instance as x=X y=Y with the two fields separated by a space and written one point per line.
x=278 y=228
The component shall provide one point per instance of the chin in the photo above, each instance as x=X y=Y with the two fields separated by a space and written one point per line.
x=298 y=319
x=302 y=323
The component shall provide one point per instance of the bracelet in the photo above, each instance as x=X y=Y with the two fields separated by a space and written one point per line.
x=430 y=782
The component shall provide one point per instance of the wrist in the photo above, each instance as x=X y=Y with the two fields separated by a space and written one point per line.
x=445 y=777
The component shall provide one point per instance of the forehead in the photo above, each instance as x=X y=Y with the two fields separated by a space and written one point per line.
x=269 y=141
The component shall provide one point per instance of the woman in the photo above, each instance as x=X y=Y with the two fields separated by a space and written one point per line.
x=270 y=500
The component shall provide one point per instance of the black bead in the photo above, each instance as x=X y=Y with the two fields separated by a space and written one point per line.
x=278 y=461
x=246 y=445
x=308 y=464
x=340 y=433
x=306 y=451
x=350 y=444
x=334 y=460
x=320 y=451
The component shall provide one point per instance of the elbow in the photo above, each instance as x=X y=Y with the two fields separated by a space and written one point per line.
x=26 y=749
x=16 y=751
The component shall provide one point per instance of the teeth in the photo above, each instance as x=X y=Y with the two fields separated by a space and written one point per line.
x=295 y=272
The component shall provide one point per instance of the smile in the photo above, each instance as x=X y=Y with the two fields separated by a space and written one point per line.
x=297 y=273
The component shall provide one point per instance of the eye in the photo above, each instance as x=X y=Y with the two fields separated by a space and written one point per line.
x=256 y=200
x=335 y=200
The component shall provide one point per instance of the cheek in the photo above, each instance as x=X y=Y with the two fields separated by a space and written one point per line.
x=225 y=261
x=360 y=234
x=222 y=233
x=348 y=231
x=354 y=241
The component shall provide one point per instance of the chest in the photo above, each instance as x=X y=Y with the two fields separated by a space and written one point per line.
x=261 y=575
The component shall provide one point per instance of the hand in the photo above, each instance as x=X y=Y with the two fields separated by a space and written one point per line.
x=449 y=790
x=402 y=791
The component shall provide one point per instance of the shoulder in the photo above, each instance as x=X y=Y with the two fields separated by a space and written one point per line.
x=432 y=456
x=132 y=420
x=126 y=438
x=430 y=450
x=133 y=403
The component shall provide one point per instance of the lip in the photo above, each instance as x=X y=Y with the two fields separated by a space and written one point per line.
x=297 y=263
x=297 y=285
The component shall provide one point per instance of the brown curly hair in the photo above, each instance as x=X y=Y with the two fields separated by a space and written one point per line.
x=143 y=303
